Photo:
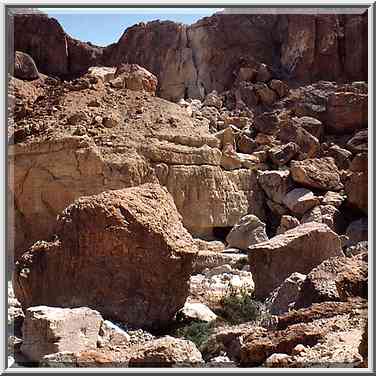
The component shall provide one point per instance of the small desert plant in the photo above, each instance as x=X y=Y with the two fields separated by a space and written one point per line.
x=238 y=306
x=197 y=332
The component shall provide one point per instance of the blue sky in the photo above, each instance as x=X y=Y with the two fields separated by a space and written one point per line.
x=105 y=26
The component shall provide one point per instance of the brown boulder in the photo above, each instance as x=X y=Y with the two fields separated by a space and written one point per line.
x=24 y=67
x=342 y=157
x=335 y=279
x=284 y=296
x=124 y=253
x=166 y=352
x=319 y=173
x=276 y=184
x=356 y=188
x=267 y=122
x=266 y=95
x=136 y=78
x=286 y=223
x=292 y=131
x=297 y=250
x=248 y=231
x=246 y=94
x=300 y=200
x=281 y=155
x=319 y=311
x=359 y=142
x=246 y=144
x=280 y=87
x=257 y=349
x=327 y=214
x=311 y=125
x=346 y=112
x=359 y=163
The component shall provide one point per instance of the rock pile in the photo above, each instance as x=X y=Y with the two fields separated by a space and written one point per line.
x=244 y=201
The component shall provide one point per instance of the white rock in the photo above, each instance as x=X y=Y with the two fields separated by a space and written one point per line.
x=113 y=334
x=105 y=74
x=300 y=200
x=48 y=330
x=196 y=311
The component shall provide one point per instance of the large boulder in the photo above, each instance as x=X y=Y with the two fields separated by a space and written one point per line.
x=297 y=250
x=356 y=188
x=318 y=173
x=281 y=155
x=256 y=349
x=335 y=279
x=283 y=297
x=359 y=142
x=342 y=157
x=292 y=131
x=327 y=214
x=346 y=112
x=134 y=77
x=48 y=330
x=166 y=352
x=300 y=200
x=311 y=125
x=250 y=230
x=24 y=67
x=276 y=184
x=286 y=223
x=195 y=312
x=105 y=74
x=267 y=122
x=124 y=253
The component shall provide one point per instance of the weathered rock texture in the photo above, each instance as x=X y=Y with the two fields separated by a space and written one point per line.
x=194 y=60
x=161 y=144
x=24 y=67
x=297 y=250
x=54 y=51
x=336 y=279
x=256 y=349
x=48 y=330
x=166 y=352
x=250 y=230
x=124 y=253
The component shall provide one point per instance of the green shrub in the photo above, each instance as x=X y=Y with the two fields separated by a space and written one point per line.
x=197 y=332
x=238 y=306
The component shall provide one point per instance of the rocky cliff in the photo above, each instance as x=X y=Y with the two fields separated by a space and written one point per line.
x=53 y=50
x=191 y=61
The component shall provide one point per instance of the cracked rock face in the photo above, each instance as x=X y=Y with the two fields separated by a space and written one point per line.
x=124 y=253
x=297 y=250
x=191 y=61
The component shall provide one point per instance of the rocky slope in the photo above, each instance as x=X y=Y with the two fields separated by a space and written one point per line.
x=234 y=227
x=191 y=61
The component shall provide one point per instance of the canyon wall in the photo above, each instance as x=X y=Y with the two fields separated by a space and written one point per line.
x=191 y=61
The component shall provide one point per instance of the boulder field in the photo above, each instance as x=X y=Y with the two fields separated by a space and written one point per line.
x=190 y=196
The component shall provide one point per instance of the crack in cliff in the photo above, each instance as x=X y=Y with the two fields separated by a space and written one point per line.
x=194 y=63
